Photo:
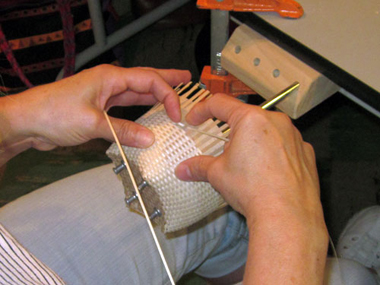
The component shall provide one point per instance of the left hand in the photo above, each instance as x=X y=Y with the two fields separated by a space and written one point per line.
x=70 y=112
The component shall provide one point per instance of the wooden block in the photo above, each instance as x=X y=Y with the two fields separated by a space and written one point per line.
x=268 y=69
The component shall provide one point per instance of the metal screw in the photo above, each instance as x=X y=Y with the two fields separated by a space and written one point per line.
x=217 y=69
x=129 y=200
x=256 y=61
x=142 y=185
x=119 y=168
x=202 y=85
x=156 y=213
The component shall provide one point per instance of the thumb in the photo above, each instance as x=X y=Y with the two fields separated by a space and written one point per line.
x=129 y=133
x=195 y=168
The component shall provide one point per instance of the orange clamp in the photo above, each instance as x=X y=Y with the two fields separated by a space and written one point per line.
x=227 y=84
x=285 y=8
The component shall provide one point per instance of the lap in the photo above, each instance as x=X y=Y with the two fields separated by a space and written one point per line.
x=81 y=228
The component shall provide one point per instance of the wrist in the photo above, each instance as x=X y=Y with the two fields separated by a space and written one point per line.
x=306 y=217
x=294 y=248
x=299 y=204
x=13 y=138
x=288 y=222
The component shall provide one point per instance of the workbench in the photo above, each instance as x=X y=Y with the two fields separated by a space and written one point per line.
x=337 y=38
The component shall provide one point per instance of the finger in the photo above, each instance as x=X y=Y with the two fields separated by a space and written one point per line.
x=195 y=168
x=143 y=81
x=173 y=76
x=151 y=81
x=128 y=133
x=219 y=106
x=130 y=99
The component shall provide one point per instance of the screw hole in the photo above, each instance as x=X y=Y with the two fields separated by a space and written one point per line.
x=256 y=61
x=237 y=49
x=276 y=73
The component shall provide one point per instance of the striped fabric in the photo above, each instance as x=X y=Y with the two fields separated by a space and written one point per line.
x=18 y=266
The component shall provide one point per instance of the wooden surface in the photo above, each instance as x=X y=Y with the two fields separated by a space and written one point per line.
x=343 y=32
x=268 y=69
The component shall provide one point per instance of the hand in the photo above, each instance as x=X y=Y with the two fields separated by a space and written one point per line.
x=70 y=111
x=265 y=160
x=268 y=174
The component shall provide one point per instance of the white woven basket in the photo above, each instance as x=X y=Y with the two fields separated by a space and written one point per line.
x=180 y=203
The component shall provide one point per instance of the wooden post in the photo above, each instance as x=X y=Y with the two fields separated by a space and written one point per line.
x=268 y=69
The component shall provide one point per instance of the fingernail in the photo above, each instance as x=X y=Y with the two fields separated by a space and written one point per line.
x=144 y=138
x=183 y=172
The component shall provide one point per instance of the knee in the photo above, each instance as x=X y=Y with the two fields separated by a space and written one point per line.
x=348 y=272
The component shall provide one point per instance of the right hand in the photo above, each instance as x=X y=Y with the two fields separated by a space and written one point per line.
x=265 y=166
x=268 y=174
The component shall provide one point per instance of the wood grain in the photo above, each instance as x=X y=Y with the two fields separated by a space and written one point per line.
x=268 y=69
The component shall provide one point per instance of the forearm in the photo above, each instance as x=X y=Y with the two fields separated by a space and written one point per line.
x=285 y=250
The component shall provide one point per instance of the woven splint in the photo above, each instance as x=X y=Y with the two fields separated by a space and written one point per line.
x=180 y=203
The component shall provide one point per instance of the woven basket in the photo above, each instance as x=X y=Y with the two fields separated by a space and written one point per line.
x=180 y=203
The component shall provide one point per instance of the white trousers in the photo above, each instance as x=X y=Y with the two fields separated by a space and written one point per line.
x=81 y=228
